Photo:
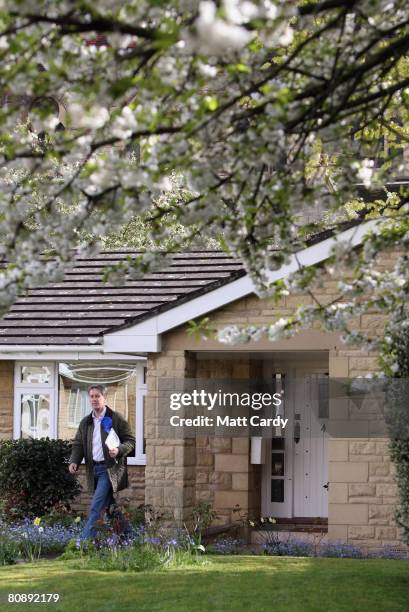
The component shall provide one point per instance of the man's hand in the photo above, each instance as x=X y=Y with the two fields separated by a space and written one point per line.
x=72 y=468
x=113 y=453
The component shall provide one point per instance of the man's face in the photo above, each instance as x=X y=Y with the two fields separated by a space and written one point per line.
x=97 y=400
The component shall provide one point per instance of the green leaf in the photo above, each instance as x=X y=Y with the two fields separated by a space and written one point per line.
x=210 y=103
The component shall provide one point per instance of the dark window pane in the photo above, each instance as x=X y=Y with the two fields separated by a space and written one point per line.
x=277 y=443
x=36 y=374
x=323 y=398
x=277 y=464
x=279 y=383
x=35 y=415
x=277 y=490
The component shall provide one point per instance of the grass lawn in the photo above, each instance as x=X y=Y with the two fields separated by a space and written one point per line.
x=279 y=584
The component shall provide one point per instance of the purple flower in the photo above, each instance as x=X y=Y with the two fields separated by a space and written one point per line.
x=172 y=543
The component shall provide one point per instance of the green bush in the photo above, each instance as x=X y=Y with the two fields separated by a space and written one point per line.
x=34 y=477
x=9 y=551
x=397 y=417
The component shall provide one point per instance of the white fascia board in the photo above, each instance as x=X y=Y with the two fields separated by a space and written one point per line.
x=131 y=342
x=149 y=329
x=41 y=352
x=145 y=336
x=48 y=353
x=66 y=348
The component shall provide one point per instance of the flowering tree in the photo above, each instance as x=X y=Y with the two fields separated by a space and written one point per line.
x=258 y=115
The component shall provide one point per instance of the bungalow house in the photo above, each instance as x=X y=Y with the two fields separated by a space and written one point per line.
x=58 y=338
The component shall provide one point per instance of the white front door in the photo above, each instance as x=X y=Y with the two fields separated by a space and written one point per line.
x=310 y=445
x=295 y=472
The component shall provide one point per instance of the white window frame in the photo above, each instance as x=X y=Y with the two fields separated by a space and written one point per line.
x=140 y=456
x=52 y=390
x=21 y=388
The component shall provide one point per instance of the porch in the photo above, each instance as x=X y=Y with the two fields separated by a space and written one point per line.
x=289 y=475
x=360 y=496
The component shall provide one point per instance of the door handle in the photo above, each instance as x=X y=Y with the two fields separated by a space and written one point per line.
x=326 y=486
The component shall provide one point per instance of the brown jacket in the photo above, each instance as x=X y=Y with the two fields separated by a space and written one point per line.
x=82 y=448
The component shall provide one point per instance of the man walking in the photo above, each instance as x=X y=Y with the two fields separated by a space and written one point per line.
x=106 y=470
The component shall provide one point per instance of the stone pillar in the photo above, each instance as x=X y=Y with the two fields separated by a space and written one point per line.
x=363 y=494
x=225 y=477
x=170 y=473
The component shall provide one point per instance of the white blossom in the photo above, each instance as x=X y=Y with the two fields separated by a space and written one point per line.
x=365 y=171
x=275 y=331
x=94 y=117
x=286 y=38
x=230 y=335
x=240 y=11
x=270 y=9
x=125 y=124
x=207 y=70
x=216 y=35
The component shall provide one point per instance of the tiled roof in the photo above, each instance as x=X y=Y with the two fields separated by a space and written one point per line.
x=81 y=308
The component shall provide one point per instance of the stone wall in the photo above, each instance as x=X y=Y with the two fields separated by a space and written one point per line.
x=6 y=399
x=133 y=496
x=363 y=493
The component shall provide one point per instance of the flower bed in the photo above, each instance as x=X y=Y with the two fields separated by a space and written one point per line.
x=139 y=549
x=293 y=547
x=137 y=546
x=30 y=539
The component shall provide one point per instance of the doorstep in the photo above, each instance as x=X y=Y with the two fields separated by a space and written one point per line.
x=263 y=536
x=297 y=525
x=308 y=529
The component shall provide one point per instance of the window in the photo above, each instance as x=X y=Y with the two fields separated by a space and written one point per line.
x=36 y=374
x=34 y=400
x=278 y=446
x=52 y=398
x=323 y=396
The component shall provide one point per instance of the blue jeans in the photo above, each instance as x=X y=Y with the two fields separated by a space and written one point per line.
x=103 y=498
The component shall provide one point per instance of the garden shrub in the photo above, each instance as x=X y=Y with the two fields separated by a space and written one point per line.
x=62 y=516
x=9 y=551
x=203 y=515
x=397 y=418
x=34 y=477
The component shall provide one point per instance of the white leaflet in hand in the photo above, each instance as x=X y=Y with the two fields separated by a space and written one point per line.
x=112 y=440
